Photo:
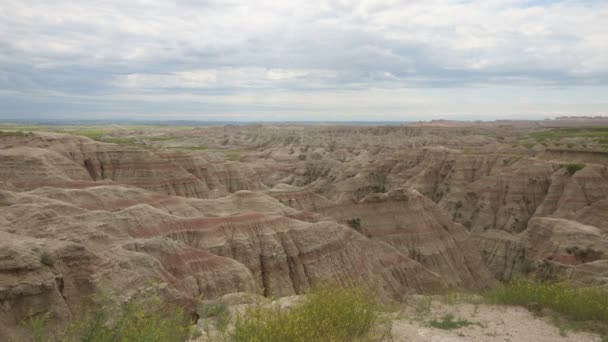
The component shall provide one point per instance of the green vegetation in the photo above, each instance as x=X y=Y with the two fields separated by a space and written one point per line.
x=600 y=134
x=449 y=322
x=219 y=312
x=579 y=304
x=355 y=223
x=327 y=314
x=572 y=168
x=92 y=133
x=212 y=310
x=26 y=128
x=37 y=327
x=145 y=321
x=95 y=132
x=12 y=133
x=423 y=307
x=234 y=155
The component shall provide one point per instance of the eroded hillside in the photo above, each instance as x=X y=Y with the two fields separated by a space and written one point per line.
x=199 y=212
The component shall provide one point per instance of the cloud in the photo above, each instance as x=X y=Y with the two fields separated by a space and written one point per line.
x=228 y=78
x=214 y=52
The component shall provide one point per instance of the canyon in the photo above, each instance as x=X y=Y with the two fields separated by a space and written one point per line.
x=196 y=213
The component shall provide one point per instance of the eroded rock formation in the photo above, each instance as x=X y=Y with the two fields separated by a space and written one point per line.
x=279 y=209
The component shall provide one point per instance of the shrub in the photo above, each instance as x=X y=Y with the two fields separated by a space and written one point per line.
x=577 y=303
x=423 y=307
x=212 y=309
x=327 y=314
x=149 y=321
x=218 y=311
x=573 y=168
x=449 y=322
x=355 y=223
x=37 y=327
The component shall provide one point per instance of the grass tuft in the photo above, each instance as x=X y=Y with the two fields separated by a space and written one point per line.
x=573 y=168
x=449 y=322
x=37 y=327
x=327 y=314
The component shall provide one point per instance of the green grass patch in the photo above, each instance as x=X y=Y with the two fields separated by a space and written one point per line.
x=450 y=322
x=574 y=302
x=233 y=155
x=143 y=321
x=326 y=314
x=559 y=133
x=573 y=168
x=12 y=134
x=94 y=134
x=26 y=128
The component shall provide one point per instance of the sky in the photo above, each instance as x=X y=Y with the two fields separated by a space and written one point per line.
x=372 y=60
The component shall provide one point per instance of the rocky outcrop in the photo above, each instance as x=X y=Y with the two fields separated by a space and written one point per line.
x=563 y=241
x=575 y=156
x=288 y=256
x=56 y=253
x=414 y=225
x=503 y=253
x=27 y=168
x=69 y=161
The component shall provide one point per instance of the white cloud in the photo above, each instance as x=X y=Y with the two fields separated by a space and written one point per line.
x=241 y=78
x=106 y=48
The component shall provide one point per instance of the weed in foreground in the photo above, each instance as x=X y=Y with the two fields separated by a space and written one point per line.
x=423 y=307
x=37 y=327
x=449 y=322
x=146 y=321
x=327 y=314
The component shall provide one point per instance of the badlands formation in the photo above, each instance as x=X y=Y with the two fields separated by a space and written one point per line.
x=193 y=213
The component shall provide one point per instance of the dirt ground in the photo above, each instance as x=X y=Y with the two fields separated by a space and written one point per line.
x=487 y=323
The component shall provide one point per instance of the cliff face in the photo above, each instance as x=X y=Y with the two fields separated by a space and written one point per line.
x=414 y=225
x=69 y=161
x=62 y=245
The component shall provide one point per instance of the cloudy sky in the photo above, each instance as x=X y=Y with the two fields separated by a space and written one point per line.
x=303 y=60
